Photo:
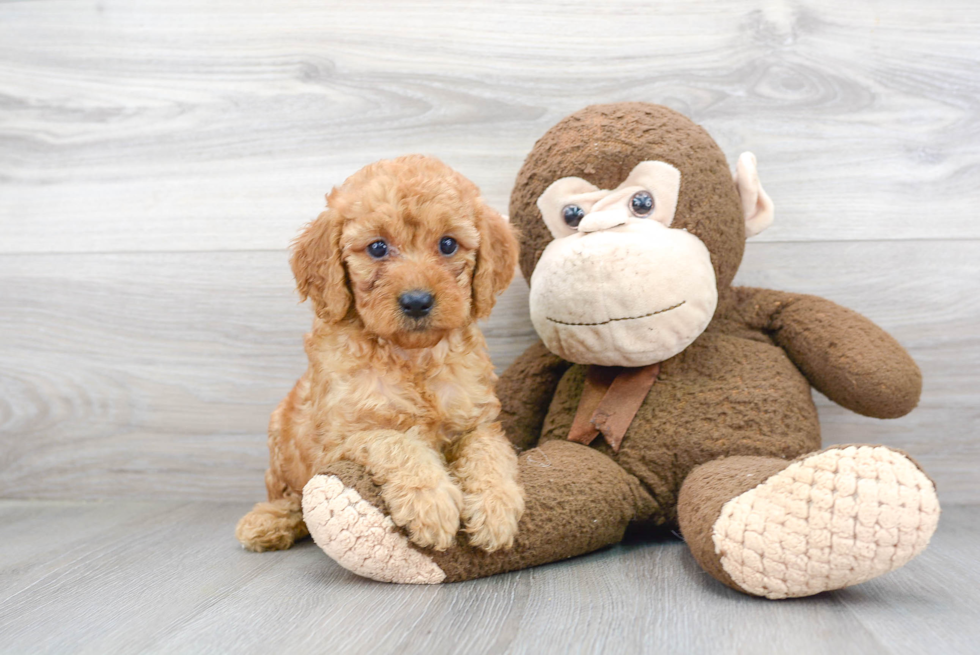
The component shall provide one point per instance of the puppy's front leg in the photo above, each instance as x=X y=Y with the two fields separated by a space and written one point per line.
x=485 y=464
x=421 y=495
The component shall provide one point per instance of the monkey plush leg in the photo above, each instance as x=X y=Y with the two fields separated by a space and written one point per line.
x=577 y=500
x=275 y=525
x=824 y=521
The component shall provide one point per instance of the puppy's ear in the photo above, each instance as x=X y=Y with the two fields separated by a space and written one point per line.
x=496 y=260
x=318 y=268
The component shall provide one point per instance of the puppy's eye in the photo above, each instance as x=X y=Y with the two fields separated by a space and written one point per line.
x=448 y=246
x=378 y=249
x=641 y=204
x=573 y=215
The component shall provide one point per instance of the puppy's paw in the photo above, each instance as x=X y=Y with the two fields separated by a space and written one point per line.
x=491 y=516
x=271 y=526
x=431 y=514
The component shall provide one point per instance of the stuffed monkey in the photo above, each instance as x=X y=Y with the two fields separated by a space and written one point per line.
x=660 y=393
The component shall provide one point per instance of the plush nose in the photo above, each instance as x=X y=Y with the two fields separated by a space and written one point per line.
x=416 y=303
x=604 y=219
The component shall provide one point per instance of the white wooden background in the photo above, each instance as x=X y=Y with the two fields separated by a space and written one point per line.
x=157 y=157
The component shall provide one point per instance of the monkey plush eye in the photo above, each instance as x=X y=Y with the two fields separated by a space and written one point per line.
x=573 y=215
x=641 y=204
x=378 y=249
x=448 y=246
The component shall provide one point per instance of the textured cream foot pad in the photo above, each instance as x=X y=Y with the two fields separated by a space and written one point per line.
x=356 y=535
x=833 y=519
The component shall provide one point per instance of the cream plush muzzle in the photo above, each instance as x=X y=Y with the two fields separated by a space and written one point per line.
x=619 y=286
x=631 y=295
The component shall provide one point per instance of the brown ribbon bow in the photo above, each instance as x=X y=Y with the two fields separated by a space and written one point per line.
x=610 y=400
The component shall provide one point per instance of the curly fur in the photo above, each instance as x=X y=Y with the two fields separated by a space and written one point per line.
x=410 y=399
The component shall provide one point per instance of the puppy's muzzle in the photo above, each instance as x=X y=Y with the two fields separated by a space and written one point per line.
x=416 y=304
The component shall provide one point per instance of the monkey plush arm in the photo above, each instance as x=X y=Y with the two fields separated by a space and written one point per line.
x=845 y=356
x=525 y=390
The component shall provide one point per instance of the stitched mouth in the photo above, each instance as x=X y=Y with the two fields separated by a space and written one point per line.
x=624 y=318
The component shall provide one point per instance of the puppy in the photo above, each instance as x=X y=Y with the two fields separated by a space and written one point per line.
x=399 y=267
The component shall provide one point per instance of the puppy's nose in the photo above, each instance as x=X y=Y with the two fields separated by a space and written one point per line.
x=416 y=303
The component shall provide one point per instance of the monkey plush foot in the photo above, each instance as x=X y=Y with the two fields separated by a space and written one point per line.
x=578 y=500
x=358 y=535
x=825 y=521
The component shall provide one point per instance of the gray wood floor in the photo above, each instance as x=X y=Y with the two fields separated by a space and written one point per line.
x=168 y=577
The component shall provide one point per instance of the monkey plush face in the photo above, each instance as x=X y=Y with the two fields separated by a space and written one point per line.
x=618 y=286
x=630 y=274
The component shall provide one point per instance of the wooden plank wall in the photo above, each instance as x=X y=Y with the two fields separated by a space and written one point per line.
x=156 y=157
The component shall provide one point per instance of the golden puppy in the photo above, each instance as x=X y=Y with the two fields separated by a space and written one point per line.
x=399 y=267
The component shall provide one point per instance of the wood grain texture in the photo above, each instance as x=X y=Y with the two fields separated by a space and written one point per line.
x=156 y=157
x=168 y=577
x=177 y=125
x=153 y=375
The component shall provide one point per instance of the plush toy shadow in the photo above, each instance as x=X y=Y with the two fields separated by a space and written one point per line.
x=661 y=393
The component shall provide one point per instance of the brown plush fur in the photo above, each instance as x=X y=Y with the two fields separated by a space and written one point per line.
x=741 y=389
x=410 y=399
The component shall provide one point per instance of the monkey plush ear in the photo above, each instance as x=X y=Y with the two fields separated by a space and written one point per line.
x=757 y=207
x=318 y=268
x=496 y=260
